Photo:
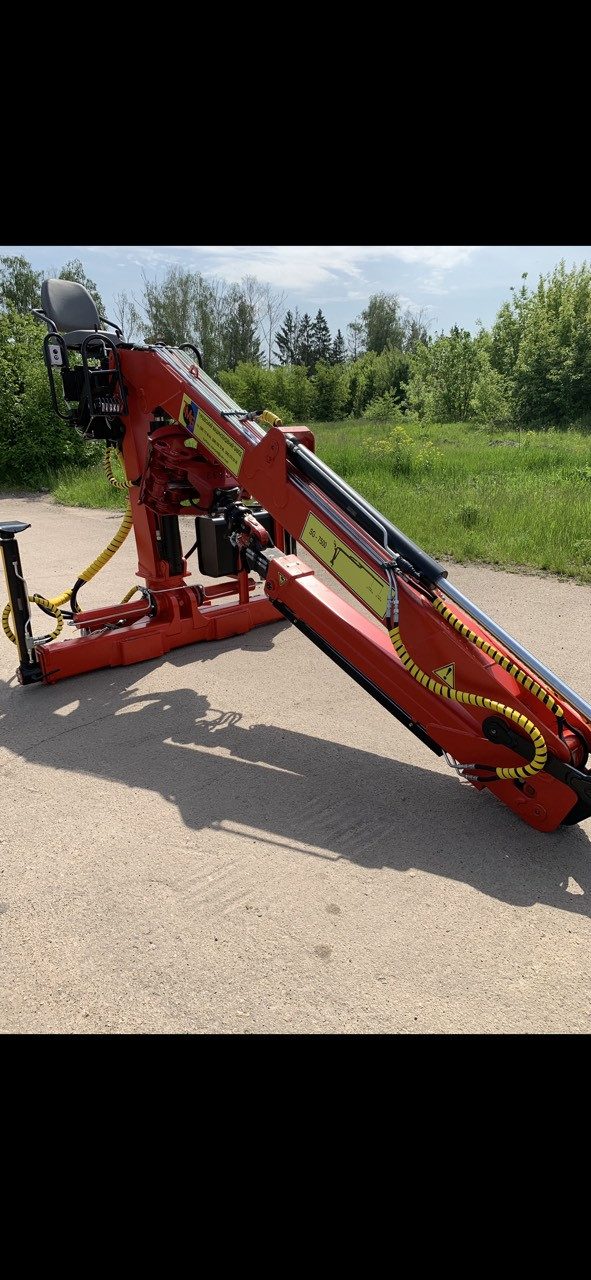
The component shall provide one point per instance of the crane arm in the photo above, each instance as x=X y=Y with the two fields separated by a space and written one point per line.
x=267 y=510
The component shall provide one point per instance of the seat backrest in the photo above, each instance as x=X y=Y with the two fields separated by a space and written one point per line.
x=69 y=305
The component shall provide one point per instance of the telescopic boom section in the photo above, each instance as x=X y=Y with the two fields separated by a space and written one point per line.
x=451 y=676
x=449 y=680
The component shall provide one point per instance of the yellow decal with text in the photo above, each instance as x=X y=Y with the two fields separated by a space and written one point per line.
x=213 y=437
x=447 y=674
x=343 y=562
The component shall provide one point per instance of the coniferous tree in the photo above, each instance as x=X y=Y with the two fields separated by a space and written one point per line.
x=305 y=340
x=287 y=339
x=239 y=340
x=320 y=341
x=339 y=350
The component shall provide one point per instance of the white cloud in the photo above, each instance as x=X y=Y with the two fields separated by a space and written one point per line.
x=142 y=255
x=441 y=256
x=434 y=283
x=307 y=266
x=296 y=267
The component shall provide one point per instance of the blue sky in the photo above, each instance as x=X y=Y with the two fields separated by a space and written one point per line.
x=448 y=284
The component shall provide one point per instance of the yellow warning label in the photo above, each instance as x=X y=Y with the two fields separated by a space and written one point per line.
x=217 y=441
x=447 y=674
x=343 y=562
x=282 y=579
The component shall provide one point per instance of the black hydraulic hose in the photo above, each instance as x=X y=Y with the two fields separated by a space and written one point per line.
x=361 y=511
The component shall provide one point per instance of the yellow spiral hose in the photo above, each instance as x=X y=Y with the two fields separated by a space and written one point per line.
x=476 y=700
x=521 y=676
x=53 y=605
x=113 y=546
x=34 y=599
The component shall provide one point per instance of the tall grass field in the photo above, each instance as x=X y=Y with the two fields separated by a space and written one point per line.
x=521 y=500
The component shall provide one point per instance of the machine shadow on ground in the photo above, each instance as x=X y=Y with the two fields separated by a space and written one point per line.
x=319 y=798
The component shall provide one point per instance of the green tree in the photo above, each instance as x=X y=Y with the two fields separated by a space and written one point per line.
x=75 y=271
x=552 y=373
x=239 y=340
x=491 y=397
x=508 y=330
x=329 y=392
x=338 y=354
x=375 y=375
x=383 y=324
x=416 y=330
x=33 y=440
x=354 y=389
x=271 y=307
x=300 y=393
x=390 y=372
x=250 y=386
x=320 y=340
x=443 y=377
x=125 y=314
x=541 y=347
x=19 y=284
x=355 y=331
x=305 y=351
x=169 y=309
x=287 y=338
x=383 y=408
x=294 y=340
x=182 y=307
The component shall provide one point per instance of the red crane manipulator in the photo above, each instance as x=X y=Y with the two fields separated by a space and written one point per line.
x=257 y=494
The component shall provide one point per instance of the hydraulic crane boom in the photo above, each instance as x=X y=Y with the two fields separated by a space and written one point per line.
x=258 y=494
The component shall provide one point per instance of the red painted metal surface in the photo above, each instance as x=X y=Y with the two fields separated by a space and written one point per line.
x=456 y=728
x=180 y=621
x=185 y=440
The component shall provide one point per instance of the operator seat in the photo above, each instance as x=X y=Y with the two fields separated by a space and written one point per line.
x=71 y=311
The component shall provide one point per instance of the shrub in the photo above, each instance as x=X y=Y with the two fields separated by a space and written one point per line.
x=33 y=440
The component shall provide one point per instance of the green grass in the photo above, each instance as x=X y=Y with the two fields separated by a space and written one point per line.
x=517 y=500
x=88 y=487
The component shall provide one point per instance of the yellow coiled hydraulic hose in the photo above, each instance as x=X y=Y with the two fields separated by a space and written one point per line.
x=115 y=542
x=53 y=605
x=48 y=605
x=117 y=484
x=476 y=700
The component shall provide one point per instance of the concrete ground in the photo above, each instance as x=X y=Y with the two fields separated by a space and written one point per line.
x=237 y=839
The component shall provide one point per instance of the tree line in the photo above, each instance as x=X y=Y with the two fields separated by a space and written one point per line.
x=531 y=368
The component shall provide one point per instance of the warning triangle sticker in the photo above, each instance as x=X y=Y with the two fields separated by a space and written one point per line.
x=282 y=580
x=447 y=674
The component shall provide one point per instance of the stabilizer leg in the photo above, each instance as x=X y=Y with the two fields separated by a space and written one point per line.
x=28 y=670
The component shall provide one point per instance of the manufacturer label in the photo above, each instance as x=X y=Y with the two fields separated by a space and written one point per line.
x=217 y=441
x=345 y=565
